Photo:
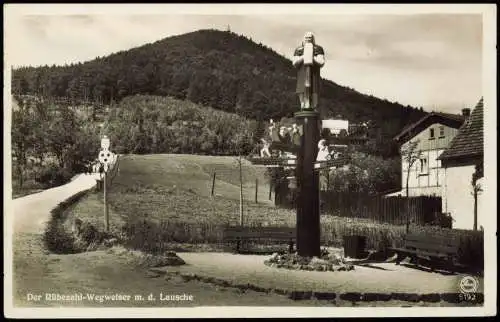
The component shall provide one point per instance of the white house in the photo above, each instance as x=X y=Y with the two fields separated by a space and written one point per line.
x=460 y=160
x=335 y=126
x=433 y=132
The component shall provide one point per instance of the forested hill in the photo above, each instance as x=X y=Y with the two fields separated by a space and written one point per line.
x=214 y=68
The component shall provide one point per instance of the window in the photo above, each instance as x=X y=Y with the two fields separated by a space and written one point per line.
x=431 y=134
x=423 y=166
x=441 y=131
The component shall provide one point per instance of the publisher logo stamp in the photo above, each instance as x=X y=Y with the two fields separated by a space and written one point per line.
x=468 y=284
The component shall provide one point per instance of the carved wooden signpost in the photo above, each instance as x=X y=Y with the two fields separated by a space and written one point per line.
x=301 y=148
x=106 y=157
x=301 y=145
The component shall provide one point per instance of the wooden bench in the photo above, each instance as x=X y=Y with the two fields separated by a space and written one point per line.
x=278 y=234
x=434 y=249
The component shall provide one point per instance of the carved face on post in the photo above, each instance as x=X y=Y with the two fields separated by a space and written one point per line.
x=283 y=131
x=322 y=144
x=271 y=126
x=309 y=37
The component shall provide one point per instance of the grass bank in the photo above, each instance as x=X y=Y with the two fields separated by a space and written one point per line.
x=56 y=238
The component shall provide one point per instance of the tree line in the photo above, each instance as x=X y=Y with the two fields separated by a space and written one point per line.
x=144 y=124
x=50 y=142
x=53 y=140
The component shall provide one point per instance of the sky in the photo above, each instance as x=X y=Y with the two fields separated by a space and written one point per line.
x=430 y=60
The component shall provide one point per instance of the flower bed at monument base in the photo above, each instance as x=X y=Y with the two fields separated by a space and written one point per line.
x=326 y=262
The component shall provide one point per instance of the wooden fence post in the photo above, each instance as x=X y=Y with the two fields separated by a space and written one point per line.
x=241 y=191
x=401 y=213
x=256 y=190
x=213 y=184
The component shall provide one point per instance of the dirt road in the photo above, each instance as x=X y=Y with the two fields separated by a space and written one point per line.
x=31 y=212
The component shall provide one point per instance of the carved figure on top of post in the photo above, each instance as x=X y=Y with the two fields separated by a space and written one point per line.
x=271 y=136
x=273 y=132
x=284 y=135
x=264 y=152
x=296 y=134
x=323 y=151
x=308 y=59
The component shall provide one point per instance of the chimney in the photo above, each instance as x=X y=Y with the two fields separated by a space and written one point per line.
x=466 y=112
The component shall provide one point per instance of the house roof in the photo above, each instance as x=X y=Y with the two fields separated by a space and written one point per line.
x=469 y=139
x=452 y=120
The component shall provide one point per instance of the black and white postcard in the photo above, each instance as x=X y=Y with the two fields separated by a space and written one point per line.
x=249 y=160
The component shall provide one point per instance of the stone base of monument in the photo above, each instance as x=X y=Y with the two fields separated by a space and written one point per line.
x=327 y=262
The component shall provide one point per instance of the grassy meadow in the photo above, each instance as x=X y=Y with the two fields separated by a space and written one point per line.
x=178 y=188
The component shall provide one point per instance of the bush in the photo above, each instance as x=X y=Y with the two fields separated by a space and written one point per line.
x=443 y=220
x=53 y=175
x=152 y=236
x=89 y=233
x=57 y=239
x=377 y=235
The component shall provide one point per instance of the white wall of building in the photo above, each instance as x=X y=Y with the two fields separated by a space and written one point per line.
x=458 y=199
x=480 y=206
x=426 y=175
x=335 y=126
